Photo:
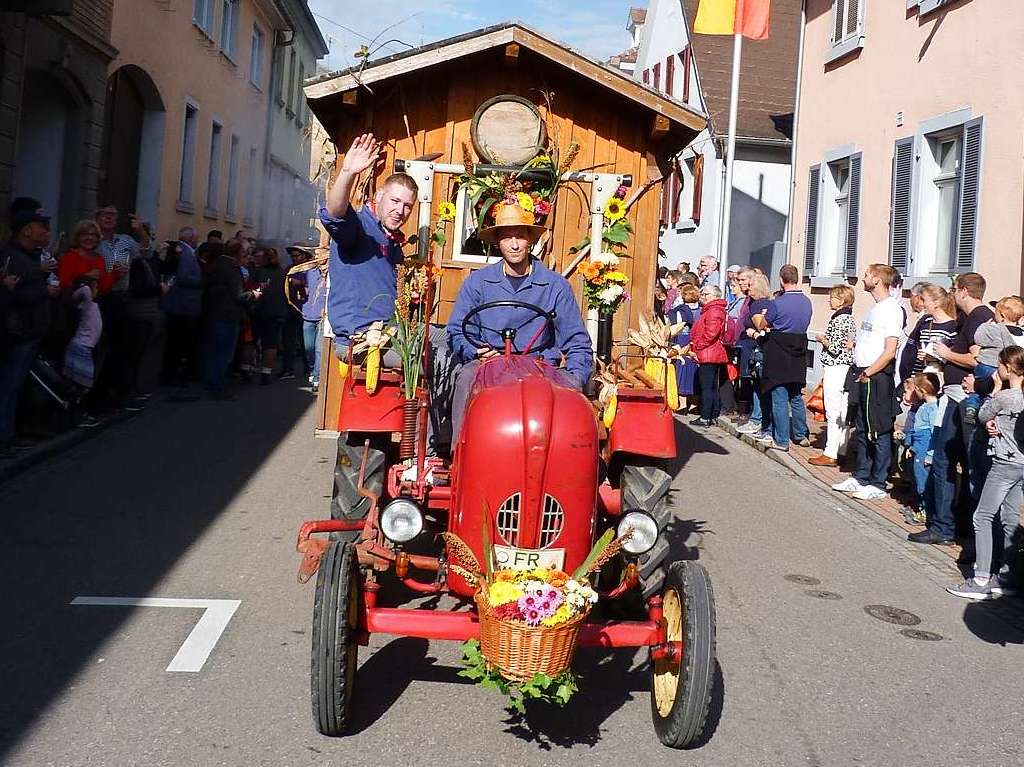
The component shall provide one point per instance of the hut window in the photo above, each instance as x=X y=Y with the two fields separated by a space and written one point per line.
x=466 y=246
x=657 y=76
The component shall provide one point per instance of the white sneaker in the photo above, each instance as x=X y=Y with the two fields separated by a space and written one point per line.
x=849 y=485
x=870 y=493
x=750 y=427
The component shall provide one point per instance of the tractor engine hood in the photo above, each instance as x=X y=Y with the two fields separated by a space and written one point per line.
x=526 y=462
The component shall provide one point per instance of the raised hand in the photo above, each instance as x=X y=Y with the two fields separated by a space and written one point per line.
x=361 y=155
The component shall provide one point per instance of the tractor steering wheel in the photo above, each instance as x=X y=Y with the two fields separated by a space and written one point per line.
x=507 y=334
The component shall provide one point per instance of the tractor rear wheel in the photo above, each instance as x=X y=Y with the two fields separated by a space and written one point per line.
x=681 y=684
x=646 y=487
x=334 y=651
x=346 y=503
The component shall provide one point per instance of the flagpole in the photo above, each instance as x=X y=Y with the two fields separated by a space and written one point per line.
x=734 y=96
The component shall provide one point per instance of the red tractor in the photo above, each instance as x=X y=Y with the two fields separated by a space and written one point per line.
x=532 y=460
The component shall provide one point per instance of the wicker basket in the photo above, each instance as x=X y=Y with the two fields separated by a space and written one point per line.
x=519 y=651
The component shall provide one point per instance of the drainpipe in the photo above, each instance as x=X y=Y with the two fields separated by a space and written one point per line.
x=796 y=128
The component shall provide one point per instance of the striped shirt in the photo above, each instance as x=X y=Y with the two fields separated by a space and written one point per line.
x=934 y=333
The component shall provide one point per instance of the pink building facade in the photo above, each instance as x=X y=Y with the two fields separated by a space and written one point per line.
x=909 y=143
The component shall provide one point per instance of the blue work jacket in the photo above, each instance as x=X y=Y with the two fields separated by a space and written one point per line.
x=363 y=269
x=542 y=287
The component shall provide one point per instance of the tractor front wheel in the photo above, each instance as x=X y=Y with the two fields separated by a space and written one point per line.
x=646 y=487
x=346 y=502
x=334 y=650
x=681 y=682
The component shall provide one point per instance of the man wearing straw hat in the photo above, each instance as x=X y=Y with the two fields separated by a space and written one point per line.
x=517 y=277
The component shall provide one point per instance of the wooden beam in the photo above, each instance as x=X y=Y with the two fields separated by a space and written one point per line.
x=512 y=51
x=659 y=127
x=350 y=97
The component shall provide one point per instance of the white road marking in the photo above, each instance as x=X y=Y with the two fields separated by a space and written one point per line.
x=201 y=640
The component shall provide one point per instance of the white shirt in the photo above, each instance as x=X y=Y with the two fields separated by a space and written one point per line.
x=885 y=320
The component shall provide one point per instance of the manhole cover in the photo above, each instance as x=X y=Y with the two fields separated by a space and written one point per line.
x=805 y=580
x=893 y=615
x=822 y=594
x=923 y=636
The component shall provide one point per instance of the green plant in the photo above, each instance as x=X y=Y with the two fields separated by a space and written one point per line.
x=540 y=687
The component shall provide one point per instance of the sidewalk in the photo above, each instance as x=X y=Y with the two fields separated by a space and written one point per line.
x=796 y=461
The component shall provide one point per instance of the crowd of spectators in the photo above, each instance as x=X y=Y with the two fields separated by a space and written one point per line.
x=100 y=324
x=927 y=399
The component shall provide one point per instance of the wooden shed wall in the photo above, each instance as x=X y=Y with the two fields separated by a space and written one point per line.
x=439 y=105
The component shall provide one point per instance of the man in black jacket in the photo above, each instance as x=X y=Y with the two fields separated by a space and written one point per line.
x=26 y=307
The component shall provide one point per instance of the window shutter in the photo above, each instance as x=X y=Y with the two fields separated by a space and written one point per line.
x=899 y=210
x=698 y=186
x=970 y=187
x=677 y=188
x=838 y=19
x=657 y=77
x=686 y=56
x=811 y=231
x=647 y=76
x=666 y=199
x=670 y=74
x=853 y=222
x=852 y=17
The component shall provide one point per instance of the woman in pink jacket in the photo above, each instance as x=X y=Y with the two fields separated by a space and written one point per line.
x=707 y=349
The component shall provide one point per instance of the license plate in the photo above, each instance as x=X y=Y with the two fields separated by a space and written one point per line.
x=510 y=558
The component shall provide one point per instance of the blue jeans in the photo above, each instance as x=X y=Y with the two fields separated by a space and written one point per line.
x=311 y=344
x=709 y=377
x=14 y=369
x=918 y=441
x=220 y=350
x=948 y=452
x=784 y=399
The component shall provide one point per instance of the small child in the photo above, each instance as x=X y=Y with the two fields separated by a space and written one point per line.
x=1002 y=493
x=78 y=360
x=991 y=338
x=920 y=428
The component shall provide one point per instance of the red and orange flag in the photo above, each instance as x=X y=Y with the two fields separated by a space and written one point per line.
x=733 y=17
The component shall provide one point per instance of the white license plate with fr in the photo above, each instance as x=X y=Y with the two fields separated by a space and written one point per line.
x=511 y=558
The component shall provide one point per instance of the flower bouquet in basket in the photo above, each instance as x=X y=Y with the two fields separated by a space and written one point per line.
x=529 y=621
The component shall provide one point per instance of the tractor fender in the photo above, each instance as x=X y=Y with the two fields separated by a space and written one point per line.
x=644 y=425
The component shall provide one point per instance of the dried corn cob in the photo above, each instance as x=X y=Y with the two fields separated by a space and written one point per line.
x=461 y=554
x=610 y=551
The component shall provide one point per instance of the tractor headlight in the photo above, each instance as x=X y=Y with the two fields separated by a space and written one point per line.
x=401 y=520
x=645 y=532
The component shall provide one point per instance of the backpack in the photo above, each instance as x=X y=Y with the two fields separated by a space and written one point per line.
x=732 y=332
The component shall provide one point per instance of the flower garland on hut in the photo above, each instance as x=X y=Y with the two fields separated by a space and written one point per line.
x=604 y=283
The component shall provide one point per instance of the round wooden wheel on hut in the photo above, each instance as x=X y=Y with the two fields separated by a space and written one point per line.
x=508 y=130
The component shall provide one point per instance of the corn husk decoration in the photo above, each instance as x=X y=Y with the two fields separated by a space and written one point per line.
x=655 y=340
x=372 y=341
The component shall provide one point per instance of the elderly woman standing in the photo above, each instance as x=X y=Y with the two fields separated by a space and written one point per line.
x=836 y=358
x=707 y=348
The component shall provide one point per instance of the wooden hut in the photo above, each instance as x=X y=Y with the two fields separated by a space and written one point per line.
x=422 y=103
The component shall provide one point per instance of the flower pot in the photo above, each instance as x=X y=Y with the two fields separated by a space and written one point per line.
x=604 y=337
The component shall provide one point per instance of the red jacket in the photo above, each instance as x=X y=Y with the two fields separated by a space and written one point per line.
x=75 y=263
x=706 y=337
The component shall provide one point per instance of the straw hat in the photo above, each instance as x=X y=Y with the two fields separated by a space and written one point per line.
x=510 y=215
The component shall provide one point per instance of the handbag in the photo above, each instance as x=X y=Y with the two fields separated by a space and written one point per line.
x=816 y=402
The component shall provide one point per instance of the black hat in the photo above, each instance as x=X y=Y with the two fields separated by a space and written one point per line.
x=22 y=218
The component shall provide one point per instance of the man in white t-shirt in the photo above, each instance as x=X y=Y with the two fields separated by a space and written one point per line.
x=873 y=387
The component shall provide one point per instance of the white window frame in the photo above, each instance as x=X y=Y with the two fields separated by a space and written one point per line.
x=256 y=44
x=920 y=256
x=186 y=177
x=851 y=39
x=202 y=16
x=686 y=191
x=229 y=28
x=924 y=7
x=461 y=228
x=213 y=170
x=251 y=203
x=830 y=264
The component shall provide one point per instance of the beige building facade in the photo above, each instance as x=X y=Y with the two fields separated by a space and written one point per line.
x=910 y=139
x=192 y=111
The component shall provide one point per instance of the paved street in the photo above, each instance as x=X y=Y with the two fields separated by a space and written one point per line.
x=202 y=501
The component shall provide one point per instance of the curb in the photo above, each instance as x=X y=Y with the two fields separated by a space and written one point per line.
x=924 y=554
x=9 y=469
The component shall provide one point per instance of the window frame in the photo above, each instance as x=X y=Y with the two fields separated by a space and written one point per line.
x=213 y=169
x=686 y=163
x=289 y=105
x=234 y=165
x=851 y=40
x=187 y=167
x=204 y=24
x=257 y=44
x=229 y=28
x=831 y=265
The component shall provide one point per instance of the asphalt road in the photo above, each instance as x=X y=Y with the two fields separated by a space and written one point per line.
x=202 y=501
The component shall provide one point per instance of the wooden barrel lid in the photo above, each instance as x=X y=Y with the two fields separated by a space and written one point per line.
x=508 y=130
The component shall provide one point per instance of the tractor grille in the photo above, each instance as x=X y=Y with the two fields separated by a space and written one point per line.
x=508 y=519
x=551 y=522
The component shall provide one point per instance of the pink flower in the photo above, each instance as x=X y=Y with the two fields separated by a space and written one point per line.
x=533 y=617
x=621 y=192
x=542 y=208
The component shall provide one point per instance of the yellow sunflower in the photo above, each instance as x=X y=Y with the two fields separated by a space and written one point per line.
x=525 y=201
x=616 y=276
x=446 y=210
x=614 y=209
